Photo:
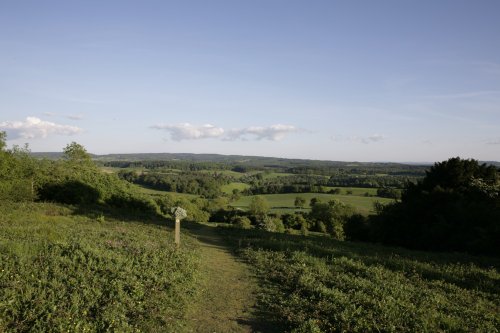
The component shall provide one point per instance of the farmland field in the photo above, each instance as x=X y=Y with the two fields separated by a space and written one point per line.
x=151 y=191
x=354 y=190
x=285 y=202
x=228 y=189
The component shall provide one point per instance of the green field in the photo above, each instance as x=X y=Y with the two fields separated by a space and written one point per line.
x=354 y=190
x=283 y=203
x=116 y=170
x=67 y=270
x=317 y=284
x=228 y=189
x=270 y=175
x=229 y=173
x=154 y=192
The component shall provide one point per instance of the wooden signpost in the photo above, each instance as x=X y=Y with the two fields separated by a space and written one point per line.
x=179 y=214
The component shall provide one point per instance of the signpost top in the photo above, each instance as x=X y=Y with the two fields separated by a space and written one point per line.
x=179 y=213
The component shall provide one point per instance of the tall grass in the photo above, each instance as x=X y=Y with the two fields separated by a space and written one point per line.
x=75 y=273
x=317 y=284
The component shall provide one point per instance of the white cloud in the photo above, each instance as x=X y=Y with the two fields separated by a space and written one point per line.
x=188 y=131
x=33 y=127
x=273 y=132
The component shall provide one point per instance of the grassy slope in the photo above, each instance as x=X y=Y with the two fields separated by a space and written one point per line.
x=285 y=202
x=65 y=272
x=317 y=284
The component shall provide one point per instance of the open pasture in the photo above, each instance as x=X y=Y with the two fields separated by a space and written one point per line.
x=228 y=189
x=285 y=202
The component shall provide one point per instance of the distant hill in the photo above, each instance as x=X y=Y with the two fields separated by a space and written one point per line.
x=261 y=161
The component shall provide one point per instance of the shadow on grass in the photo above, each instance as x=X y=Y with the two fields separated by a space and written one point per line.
x=262 y=318
x=97 y=211
x=427 y=264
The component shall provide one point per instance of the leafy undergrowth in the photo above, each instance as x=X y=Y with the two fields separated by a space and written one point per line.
x=316 y=284
x=65 y=272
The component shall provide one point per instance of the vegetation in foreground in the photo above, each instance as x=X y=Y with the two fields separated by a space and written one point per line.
x=87 y=273
x=317 y=284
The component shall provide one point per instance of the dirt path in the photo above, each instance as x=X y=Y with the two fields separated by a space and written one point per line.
x=228 y=299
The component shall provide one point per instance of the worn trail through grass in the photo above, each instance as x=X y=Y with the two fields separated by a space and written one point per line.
x=228 y=298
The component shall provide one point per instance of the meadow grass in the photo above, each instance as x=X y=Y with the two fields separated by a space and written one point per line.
x=154 y=192
x=107 y=169
x=228 y=189
x=355 y=190
x=285 y=202
x=317 y=284
x=61 y=271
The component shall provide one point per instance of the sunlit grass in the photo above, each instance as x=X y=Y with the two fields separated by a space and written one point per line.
x=285 y=202
x=318 y=284
x=85 y=273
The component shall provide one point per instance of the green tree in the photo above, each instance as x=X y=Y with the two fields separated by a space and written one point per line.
x=242 y=222
x=3 y=140
x=456 y=207
x=259 y=207
x=75 y=152
x=272 y=224
x=332 y=215
x=299 y=202
x=18 y=172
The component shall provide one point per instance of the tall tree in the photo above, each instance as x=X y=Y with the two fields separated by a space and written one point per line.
x=299 y=202
x=456 y=207
x=258 y=207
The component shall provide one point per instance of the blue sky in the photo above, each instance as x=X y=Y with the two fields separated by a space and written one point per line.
x=337 y=80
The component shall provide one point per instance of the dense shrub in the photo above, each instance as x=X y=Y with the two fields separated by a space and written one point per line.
x=456 y=207
x=242 y=222
x=330 y=217
x=63 y=272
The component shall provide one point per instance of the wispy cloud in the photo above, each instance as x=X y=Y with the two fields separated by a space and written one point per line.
x=75 y=116
x=488 y=67
x=493 y=141
x=187 y=131
x=273 y=132
x=32 y=128
x=464 y=95
x=68 y=116
x=361 y=139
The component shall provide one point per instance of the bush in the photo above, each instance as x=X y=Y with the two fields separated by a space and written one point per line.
x=456 y=207
x=357 y=228
x=272 y=224
x=133 y=202
x=69 y=192
x=242 y=222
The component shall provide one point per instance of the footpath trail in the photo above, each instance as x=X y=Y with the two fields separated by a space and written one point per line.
x=228 y=299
